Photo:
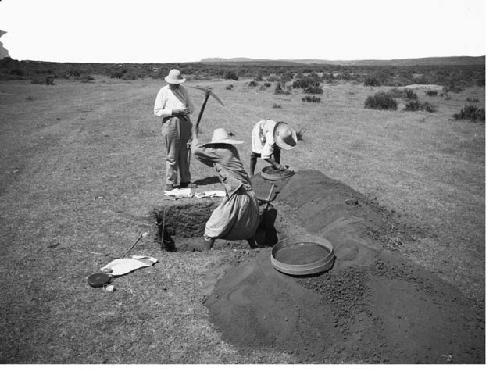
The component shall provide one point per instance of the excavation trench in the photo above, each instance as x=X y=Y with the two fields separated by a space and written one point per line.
x=373 y=306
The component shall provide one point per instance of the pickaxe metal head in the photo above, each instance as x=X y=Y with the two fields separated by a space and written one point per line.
x=209 y=92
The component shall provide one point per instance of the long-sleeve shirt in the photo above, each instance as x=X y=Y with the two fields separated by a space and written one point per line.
x=263 y=138
x=168 y=99
x=227 y=164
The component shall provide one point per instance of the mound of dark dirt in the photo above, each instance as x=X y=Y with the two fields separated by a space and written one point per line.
x=373 y=306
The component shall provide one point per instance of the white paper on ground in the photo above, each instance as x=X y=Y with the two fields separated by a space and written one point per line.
x=119 y=267
x=210 y=194
x=179 y=193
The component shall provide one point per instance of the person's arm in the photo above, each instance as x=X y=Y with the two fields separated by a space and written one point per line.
x=267 y=150
x=160 y=109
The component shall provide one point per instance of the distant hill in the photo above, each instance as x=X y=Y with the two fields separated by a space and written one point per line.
x=3 y=52
x=429 y=61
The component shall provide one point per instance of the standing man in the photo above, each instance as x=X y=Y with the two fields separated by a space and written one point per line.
x=268 y=137
x=174 y=106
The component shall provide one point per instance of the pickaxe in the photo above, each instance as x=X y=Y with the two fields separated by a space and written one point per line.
x=208 y=92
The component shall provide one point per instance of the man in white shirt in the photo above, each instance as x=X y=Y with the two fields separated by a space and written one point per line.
x=268 y=137
x=174 y=106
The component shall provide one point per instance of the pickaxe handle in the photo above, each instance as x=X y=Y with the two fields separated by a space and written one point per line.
x=207 y=95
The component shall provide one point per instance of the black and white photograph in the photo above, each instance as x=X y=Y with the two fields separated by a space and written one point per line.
x=245 y=184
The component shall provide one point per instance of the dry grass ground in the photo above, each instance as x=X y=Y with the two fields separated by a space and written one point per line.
x=82 y=167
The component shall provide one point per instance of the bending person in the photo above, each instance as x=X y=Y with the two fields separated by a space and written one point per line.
x=268 y=137
x=237 y=217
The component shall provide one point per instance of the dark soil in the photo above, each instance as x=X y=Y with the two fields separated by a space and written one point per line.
x=372 y=307
x=180 y=227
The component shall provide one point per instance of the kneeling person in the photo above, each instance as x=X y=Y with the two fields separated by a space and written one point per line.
x=268 y=137
x=237 y=217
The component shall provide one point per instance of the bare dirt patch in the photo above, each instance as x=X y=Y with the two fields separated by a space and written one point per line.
x=373 y=306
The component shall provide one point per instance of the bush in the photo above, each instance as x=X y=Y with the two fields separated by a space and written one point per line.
x=253 y=83
x=381 y=100
x=230 y=75
x=431 y=93
x=276 y=106
x=267 y=85
x=416 y=105
x=87 y=79
x=311 y=99
x=314 y=90
x=409 y=94
x=371 y=81
x=279 y=91
x=229 y=87
x=472 y=99
x=129 y=75
x=471 y=112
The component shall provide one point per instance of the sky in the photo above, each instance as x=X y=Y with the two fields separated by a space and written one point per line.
x=189 y=30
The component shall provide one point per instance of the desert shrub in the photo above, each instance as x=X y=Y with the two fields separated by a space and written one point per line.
x=129 y=75
x=416 y=105
x=229 y=87
x=311 y=99
x=409 y=94
x=17 y=72
x=472 y=99
x=253 y=83
x=471 y=112
x=87 y=79
x=371 y=81
x=413 y=106
x=306 y=82
x=30 y=98
x=267 y=85
x=230 y=75
x=314 y=90
x=276 y=106
x=49 y=80
x=431 y=93
x=381 y=100
x=280 y=91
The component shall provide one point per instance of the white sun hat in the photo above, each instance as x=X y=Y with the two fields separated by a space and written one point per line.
x=174 y=77
x=285 y=137
x=221 y=136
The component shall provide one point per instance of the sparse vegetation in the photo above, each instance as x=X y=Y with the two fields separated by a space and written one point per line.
x=87 y=79
x=371 y=81
x=431 y=93
x=472 y=99
x=416 y=105
x=276 y=106
x=253 y=83
x=311 y=99
x=229 y=87
x=472 y=113
x=280 y=91
x=382 y=101
x=231 y=75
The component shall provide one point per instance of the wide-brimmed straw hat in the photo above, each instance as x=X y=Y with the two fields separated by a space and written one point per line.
x=221 y=136
x=285 y=137
x=174 y=77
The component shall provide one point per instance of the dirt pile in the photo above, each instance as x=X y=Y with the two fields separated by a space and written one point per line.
x=373 y=306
